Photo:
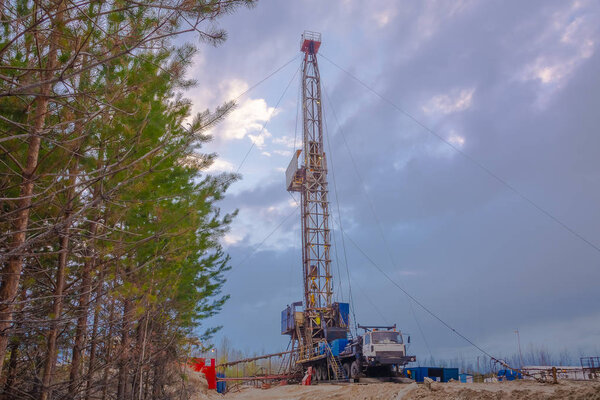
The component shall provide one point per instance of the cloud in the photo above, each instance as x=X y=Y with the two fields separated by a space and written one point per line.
x=485 y=260
x=450 y=103
x=221 y=165
x=247 y=119
x=570 y=39
x=231 y=239
x=456 y=140
x=384 y=17
x=288 y=141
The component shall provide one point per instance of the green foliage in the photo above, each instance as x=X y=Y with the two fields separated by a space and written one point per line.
x=120 y=173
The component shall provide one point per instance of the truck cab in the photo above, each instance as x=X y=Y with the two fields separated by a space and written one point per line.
x=383 y=347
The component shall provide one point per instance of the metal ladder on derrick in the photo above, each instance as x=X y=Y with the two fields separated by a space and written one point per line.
x=339 y=373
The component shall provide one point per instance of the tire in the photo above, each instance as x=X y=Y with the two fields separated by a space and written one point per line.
x=319 y=373
x=323 y=372
x=347 y=369
x=355 y=370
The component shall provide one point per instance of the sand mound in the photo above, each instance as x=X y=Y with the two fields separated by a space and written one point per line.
x=198 y=387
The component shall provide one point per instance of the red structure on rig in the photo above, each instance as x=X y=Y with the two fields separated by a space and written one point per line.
x=199 y=365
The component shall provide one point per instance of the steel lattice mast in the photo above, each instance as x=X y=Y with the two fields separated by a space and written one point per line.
x=315 y=205
x=311 y=181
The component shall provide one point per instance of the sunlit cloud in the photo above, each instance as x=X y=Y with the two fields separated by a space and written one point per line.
x=571 y=38
x=247 y=119
x=220 y=165
x=456 y=140
x=383 y=17
x=231 y=238
x=450 y=103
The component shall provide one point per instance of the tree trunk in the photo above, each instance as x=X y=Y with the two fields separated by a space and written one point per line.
x=108 y=360
x=94 y=335
x=86 y=273
x=15 y=343
x=123 y=385
x=11 y=273
x=58 y=290
x=99 y=287
x=81 y=330
x=56 y=314
x=12 y=365
x=142 y=335
x=159 y=370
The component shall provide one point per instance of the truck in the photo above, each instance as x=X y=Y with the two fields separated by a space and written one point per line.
x=379 y=352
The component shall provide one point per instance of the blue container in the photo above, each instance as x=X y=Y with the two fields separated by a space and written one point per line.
x=508 y=375
x=437 y=374
x=338 y=345
x=288 y=323
x=463 y=378
x=284 y=321
x=345 y=312
x=450 y=373
x=221 y=385
x=321 y=348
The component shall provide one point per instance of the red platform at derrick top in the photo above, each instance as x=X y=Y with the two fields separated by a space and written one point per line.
x=311 y=41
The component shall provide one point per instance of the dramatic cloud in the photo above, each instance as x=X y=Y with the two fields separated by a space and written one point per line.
x=511 y=85
x=247 y=119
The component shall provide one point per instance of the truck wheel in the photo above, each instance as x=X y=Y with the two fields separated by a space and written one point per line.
x=347 y=370
x=354 y=370
x=319 y=370
x=324 y=376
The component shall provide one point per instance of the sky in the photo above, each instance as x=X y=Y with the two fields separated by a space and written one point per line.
x=474 y=185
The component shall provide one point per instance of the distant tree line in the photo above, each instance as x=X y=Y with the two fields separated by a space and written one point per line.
x=109 y=229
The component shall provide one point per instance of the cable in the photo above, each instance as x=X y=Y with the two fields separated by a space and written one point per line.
x=299 y=235
x=337 y=263
x=365 y=295
x=298 y=102
x=351 y=299
x=468 y=157
x=370 y=202
x=267 y=121
x=267 y=77
x=265 y=239
x=422 y=305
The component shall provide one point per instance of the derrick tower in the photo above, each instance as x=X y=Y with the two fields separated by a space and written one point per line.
x=321 y=319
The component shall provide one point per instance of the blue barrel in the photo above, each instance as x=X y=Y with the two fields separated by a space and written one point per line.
x=221 y=385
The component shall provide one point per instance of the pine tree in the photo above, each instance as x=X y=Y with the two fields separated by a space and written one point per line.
x=110 y=230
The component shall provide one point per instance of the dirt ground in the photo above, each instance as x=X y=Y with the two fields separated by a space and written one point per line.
x=517 y=390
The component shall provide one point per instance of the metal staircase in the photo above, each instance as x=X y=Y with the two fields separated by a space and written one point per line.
x=335 y=365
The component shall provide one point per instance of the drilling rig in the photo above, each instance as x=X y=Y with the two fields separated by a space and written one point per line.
x=319 y=327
